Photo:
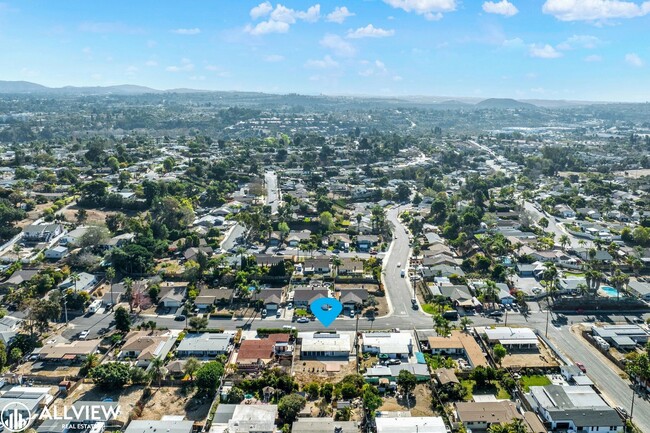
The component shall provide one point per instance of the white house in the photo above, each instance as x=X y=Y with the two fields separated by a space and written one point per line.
x=56 y=253
x=393 y=344
x=321 y=344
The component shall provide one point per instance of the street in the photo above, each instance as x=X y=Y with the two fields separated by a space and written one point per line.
x=272 y=191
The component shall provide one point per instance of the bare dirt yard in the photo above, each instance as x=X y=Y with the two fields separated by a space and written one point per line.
x=530 y=359
x=126 y=397
x=420 y=407
x=307 y=371
x=175 y=401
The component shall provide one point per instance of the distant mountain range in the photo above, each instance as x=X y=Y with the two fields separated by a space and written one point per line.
x=26 y=87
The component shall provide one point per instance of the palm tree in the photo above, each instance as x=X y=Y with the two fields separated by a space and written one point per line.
x=619 y=281
x=157 y=370
x=191 y=367
x=74 y=278
x=128 y=292
x=564 y=241
x=465 y=322
x=359 y=218
x=110 y=275
x=583 y=289
x=490 y=292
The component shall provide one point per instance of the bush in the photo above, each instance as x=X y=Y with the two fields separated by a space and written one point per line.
x=112 y=375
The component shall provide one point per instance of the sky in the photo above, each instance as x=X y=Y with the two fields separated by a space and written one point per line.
x=596 y=50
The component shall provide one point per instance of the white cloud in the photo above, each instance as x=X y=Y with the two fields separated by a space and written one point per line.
x=634 y=60
x=430 y=9
x=185 y=66
x=194 y=31
x=197 y=77
x=593 y=58
x=273 y=58
x=261 y=10
x=580 y=41
x=513 y=43
x=131 y=70
x=594 y=10
x=339 y=14
x=326 y=63
x=151 y=63
x=338 y=45
x=370 y=31
x=543 y=51
x=266 y=27
x=87 y=51
x=280 y=18
x=504 y=7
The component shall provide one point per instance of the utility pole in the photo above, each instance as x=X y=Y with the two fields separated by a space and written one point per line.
x=65 y=308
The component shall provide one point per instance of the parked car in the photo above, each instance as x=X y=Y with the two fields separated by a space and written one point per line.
x=179 y=318
x=278 y=314
x=84 y=334
x=581 y=366
x=264 y=312
x=496 y=314
x=352 y=313
x=393 y=362
x=302 y=320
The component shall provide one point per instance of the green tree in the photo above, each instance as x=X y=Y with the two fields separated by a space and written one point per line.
x=499 y=353
x=111 y=375
x=122 y=320
x=208 y=376
x=406 y=381
x=3 y=356
x=198 y=322
x=327 y=221
x=192 y=365
x=157 y=369
x=290 y=406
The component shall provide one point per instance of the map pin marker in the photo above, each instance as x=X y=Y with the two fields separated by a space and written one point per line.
x=326 y=310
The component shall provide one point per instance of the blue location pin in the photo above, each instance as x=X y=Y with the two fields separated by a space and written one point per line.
x=326 y=310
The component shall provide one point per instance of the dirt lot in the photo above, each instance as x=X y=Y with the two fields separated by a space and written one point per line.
x=421 y=406
x=532 y=359
x=95 y=217
x=48 y=370
x=173 y=401
x=127 y=397
x=307 y=371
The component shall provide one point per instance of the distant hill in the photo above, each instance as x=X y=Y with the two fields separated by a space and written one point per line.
x=21 y=87
x=504 y=103
x=27 y=87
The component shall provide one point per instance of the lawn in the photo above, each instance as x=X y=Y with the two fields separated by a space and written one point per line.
x=528 y=381
x=434 y=308
x=493 y=387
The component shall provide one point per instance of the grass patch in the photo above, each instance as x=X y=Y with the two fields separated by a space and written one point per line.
x=494 y=388
x=528 y=381
x=435 y=308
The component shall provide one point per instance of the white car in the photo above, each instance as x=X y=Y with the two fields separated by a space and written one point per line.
x=399 y=264
x=84 y=334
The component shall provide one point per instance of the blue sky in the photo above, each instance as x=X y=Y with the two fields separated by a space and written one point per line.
x=547 y=49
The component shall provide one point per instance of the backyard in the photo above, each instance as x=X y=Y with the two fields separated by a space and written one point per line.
x=536 y=380
x=490 y=388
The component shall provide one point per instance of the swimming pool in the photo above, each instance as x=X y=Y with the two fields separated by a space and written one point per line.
x=609 y=291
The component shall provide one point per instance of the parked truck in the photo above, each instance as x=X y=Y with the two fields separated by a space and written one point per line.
x=94 y=306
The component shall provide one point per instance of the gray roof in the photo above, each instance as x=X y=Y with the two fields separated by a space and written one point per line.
x=320 y=425
x=206 y=342
x=162 y=426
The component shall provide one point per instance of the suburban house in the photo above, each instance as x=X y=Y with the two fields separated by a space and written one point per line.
x=316 y=266
x=242 y=418
x=144 y=346
x=304 y=296
x=209 y=297
x=295 y=237
x=164 y=425
x=639 y=289
x=172 y=294
x=366 y=242
x=324 y=344
x=271 y=299
x=20 y=277
x=320 y=425
x=573 y=408
x=481 y=415
x=390 y=372
x=41 y=232
x=460 y=344
x=350 y=267
x=353 y=299
x=66 y=351
x=192 y=253
x=394 y=344
x=30 y=401
x=86 y=283
x=118 y=241
x=56 y=253
x=268 y=260
x=205 y=345
x=73 y=236
x=9 y=327
x=510 y=338
x=565 y=211
x=256 y=354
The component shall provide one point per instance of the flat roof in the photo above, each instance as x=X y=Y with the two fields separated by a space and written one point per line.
x=421 y=424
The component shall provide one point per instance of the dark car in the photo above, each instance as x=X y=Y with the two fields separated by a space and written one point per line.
x=496 y=314
x=179 y=318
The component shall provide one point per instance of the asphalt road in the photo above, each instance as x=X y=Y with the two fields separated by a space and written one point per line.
x=272 y=191
x=554 y=226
